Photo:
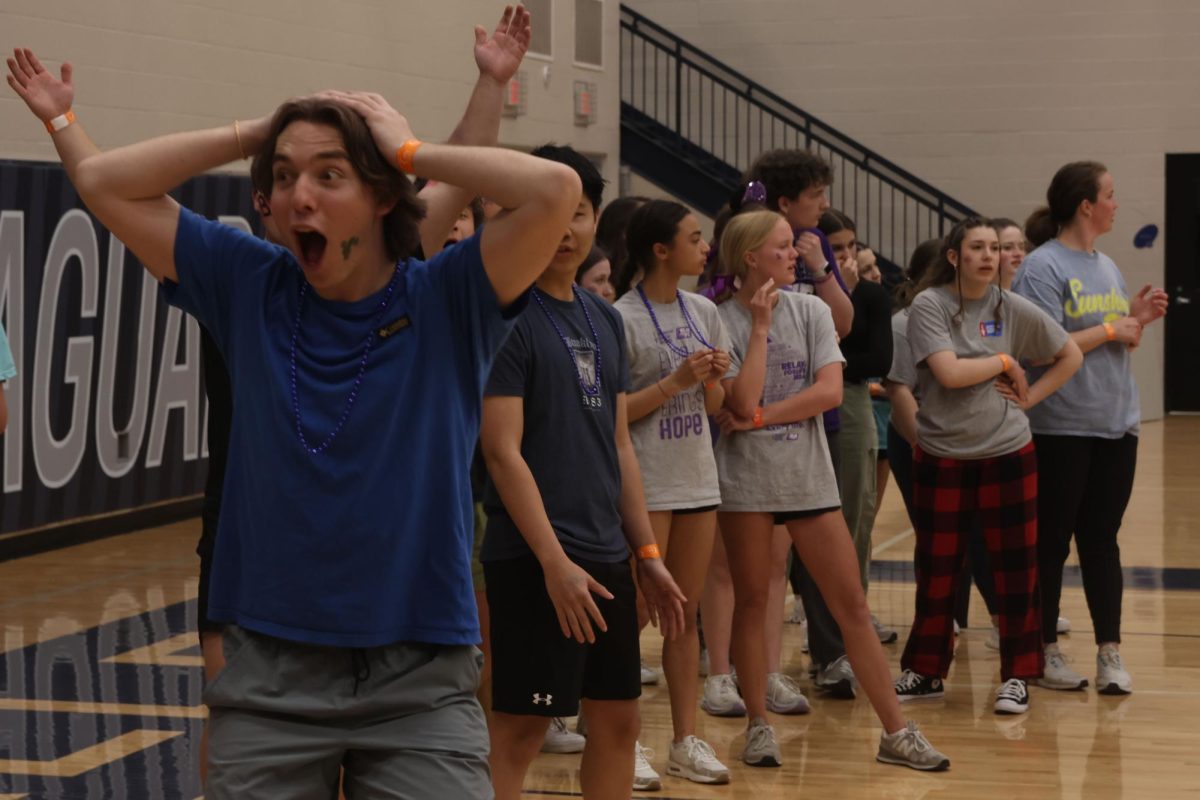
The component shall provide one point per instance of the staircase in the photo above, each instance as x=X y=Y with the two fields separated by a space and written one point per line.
x=692 y=126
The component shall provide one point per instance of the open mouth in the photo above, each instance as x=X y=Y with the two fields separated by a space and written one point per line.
x=312 y=247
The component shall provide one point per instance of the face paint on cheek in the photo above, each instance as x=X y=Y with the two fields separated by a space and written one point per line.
x=347 y=246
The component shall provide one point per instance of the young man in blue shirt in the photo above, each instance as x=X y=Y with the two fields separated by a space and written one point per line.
x=342 y=564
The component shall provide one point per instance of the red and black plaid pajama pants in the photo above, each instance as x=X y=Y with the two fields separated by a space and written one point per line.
x=948 y=495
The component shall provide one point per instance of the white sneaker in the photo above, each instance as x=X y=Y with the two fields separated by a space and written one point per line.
x=695 y=760
x=1012 y=697
x=837 y=678
x=761 y=748
x=886 y=635
x=784 y=695
x=1063 y=625
x=797 y=615
x=721 y=698
x=649 y=675
x=1111 y=676
x=560 y=740
x=1057 y=675
x=645 y=779
x=993 y=640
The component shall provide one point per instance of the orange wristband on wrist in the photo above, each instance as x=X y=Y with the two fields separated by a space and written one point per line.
x=1004 y=363
x=404 y=156
x=1110 y=333
x=648 y=551
x=758 y=420
x=60 y=122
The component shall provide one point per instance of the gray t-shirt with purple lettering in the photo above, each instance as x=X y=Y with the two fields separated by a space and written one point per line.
x=781 y=467
x=673 y=442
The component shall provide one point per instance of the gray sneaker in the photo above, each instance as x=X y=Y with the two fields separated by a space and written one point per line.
x=1111 y=676
x=784 y=695
x=721 y=698
x=1058 y=675
x=908 y=747
x=560 y=740
x=761 y=748
x=886 y=635
x=837 y=679
x=695 y=760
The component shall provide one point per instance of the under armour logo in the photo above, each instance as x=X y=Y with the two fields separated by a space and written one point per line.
x=543 y=700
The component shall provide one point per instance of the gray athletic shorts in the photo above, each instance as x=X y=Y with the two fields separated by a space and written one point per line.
x=402 y=721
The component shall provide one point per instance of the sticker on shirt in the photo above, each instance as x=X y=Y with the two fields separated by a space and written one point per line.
x=991 y=327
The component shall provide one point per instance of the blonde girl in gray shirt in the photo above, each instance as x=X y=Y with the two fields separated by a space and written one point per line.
x=775 y=469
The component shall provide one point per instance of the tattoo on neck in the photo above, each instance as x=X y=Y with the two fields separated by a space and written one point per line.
x=347 y=246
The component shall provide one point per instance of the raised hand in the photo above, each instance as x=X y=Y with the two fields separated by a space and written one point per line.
x=664 y=600
x=499 y=56
x=46 y=95
x=808 y=246
x=570 y=588
x=1148 y=305
x=762 y=304
x=388 y=126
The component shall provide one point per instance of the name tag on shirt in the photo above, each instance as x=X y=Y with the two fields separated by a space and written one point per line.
x=991 y=327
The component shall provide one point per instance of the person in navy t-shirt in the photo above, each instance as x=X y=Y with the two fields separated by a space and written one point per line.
x=565 y=507
x=342 y=563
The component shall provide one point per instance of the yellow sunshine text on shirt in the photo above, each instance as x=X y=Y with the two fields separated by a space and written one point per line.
x=1111 y=304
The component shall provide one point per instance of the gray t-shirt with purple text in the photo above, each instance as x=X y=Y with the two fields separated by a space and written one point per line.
x=781 y=468
x=673 y=442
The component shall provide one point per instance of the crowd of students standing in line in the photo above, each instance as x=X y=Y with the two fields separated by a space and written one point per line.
x=977 y=373
x=610 y=433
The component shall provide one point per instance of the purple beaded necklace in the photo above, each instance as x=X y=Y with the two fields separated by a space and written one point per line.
x=591 y=394
x=362 y=367
x=682 y=352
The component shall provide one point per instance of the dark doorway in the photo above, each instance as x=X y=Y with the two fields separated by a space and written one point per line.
x=1182 y=363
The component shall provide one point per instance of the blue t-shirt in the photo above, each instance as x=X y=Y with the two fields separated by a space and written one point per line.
x=368 y=542
x=7 y=368
x=1079 y=291
x=569 y=444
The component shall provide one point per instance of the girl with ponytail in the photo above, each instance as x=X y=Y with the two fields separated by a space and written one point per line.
x=678 y=352
x=1087 y=433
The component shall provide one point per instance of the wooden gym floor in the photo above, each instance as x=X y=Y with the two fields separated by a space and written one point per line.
x=100 y=677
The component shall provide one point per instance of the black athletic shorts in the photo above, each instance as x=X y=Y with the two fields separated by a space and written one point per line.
x=784 y=517
x=539 y=672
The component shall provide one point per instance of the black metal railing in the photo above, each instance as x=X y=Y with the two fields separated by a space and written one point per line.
x=702 y=103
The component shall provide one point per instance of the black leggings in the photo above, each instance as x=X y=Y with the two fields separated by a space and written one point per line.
x=1084 y=483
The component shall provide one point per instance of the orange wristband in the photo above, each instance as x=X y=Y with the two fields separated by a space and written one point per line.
x=404 y=156
x=648 y=551
x=758 y=420
x=61 y=121
x=1003 y=362
x=1110 y=332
